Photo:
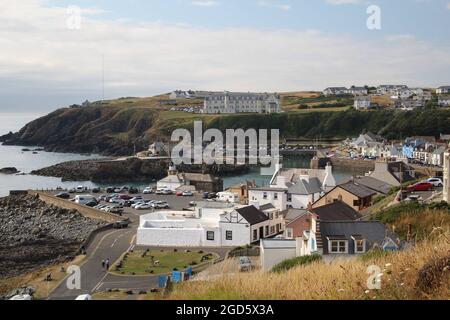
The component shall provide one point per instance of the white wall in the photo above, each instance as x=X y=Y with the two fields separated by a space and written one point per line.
x=258 y=197
x=272 y=257
x=169 y=237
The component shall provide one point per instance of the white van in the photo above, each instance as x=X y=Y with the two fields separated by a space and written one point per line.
x=84 y=297
x=80 y=189
x=83 y=199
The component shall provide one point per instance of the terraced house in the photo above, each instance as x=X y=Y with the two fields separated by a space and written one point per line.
x=239 y=102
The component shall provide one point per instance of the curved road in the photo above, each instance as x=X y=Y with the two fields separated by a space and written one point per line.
x=111 y=244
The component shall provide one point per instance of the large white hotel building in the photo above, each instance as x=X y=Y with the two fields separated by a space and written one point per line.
x=237 y=102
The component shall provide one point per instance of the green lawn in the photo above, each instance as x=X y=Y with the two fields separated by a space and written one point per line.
x=134 y=264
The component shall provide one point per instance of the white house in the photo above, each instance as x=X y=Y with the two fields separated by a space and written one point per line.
x=294 y=188
x=444 y=101
x=390 y=89
x=358 y=91
x=443 y=90
x=239 y=102
x=362 y=102
x=230 y=197
x=335 y=91
x=210 y=225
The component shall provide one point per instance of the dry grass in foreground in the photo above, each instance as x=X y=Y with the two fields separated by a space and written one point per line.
x=419 y=273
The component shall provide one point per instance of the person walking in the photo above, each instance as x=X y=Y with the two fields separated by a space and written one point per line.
x=103 y=264
x=107 y=264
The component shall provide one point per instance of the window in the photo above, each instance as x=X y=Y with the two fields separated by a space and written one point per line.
x=210 y=235
x=275 y=196
x=289 y=197
x=338 y=246
x=360 y=246
x=255 y=235
x=265 y=195
x=356 y=203
x=267 y=231
x=272 y=229
x=289 y=233
x=229 y=235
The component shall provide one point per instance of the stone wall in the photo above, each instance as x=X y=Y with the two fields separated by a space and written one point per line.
x=84 y=210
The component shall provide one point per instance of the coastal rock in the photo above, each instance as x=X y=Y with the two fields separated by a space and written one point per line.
x=130 y=170
x=9 y=170
x=34 y=234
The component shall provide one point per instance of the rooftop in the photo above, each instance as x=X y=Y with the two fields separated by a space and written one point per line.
x=336 y=211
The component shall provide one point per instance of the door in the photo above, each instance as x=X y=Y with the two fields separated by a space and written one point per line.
x=261 y=232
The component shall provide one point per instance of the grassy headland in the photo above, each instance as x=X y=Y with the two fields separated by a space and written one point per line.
x=116 y=127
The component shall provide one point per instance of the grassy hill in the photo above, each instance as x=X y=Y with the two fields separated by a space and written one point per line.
x=117 y=127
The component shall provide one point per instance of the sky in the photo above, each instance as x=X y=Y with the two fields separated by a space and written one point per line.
x=56 y=53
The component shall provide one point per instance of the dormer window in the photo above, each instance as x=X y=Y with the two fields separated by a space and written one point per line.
x=337 y=244
x=360 y=244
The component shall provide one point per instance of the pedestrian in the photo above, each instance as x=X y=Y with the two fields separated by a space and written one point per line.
x=103 y=263
x=107 y=264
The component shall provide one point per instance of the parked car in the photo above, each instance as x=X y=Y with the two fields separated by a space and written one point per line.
x=91 y=204
x=96 y=190
x=110 y=189
x=121 y=224
x=80 y=189
x=437 y=182
x=144 y=206
x=160 y=205
x=179 y=193
x=245 y=264
x=188 y=194
x=134 y=205
x=63 y=195
x=133 y=190
x=147 y=190
x=421 y=186
x=167 y=192
x=84 y=199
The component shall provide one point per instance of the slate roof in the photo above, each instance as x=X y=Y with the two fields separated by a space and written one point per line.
x=374 y=232
x=358 y=190
x=252 y=215
x=306 y=187
x=292 y=214
x=336 y=211
x=374 y=184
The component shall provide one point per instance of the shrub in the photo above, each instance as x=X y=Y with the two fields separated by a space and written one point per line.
x=295 y=262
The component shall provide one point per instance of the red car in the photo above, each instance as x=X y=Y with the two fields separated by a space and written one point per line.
x=124 y=197
x=421 y=186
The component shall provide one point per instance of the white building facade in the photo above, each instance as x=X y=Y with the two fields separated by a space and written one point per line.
x=222 y=225
x=235 y=102
x=446 y=191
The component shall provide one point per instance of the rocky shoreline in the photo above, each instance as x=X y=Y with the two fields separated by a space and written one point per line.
x=128 y=170
x=34 y=234
x=9 y=170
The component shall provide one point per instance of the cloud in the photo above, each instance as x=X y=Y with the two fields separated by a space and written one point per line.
x=43 y=62
x=284 y=7
x=205 y=3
